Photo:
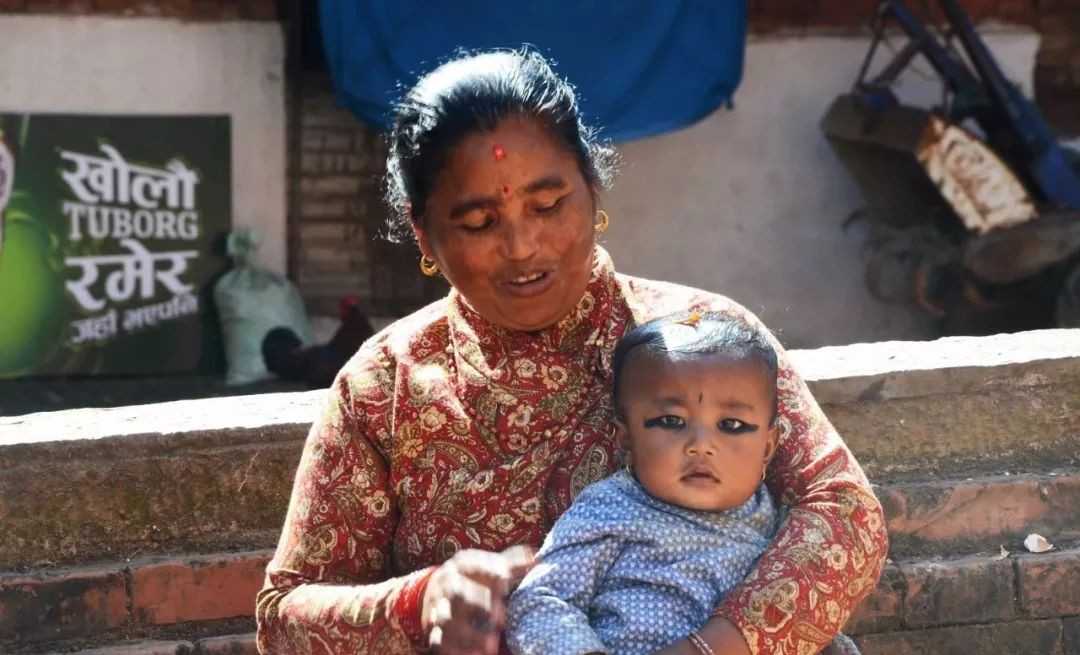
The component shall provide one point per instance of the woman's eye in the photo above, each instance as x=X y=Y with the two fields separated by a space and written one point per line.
x=668 y=422
x=734 y=425
x=478 y=225
x=549 y=208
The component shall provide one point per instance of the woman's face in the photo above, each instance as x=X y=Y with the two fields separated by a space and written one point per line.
x=510 y=223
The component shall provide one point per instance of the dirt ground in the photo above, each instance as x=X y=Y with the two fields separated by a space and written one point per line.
x=32 y=395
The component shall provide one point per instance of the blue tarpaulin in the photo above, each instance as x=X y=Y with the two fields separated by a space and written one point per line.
x=641 y=67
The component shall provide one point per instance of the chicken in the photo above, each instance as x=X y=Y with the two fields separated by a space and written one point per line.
x=286 y=357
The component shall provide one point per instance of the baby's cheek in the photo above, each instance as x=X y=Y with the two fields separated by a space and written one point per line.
x=657 y=459
x=741 y=447
x=655 y=447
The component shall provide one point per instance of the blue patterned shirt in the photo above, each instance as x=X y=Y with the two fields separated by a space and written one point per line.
x=624 y=572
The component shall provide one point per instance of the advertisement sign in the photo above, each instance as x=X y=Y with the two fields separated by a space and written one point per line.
x=111 y=233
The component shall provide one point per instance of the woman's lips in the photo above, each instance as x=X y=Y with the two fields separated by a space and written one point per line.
x=527 y=285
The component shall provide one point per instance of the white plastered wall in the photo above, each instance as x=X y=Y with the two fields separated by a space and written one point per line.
x=750 y=202
x=66 y=64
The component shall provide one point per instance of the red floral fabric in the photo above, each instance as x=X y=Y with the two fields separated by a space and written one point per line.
x=445 y=432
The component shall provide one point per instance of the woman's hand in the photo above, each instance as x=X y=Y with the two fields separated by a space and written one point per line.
x=721 y=635
x=465 y=602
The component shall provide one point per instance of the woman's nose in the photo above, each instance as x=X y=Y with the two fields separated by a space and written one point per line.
x=521 y=239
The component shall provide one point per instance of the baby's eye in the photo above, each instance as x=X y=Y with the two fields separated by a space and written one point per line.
x=668 y=422
x=733 y=425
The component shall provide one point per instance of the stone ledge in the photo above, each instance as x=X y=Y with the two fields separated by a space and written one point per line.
x=203 y=588
x=1050 y=583
x=70 y=509
x=85 y=602
x=993 y=639
x=62 y=604
x=915 y=600
x=227 y=645
x=1072 y=635
x=969 y=590
x=915 y=595
x=214 y=474
x=921 y=409
x=837 y=375
x=145 y=648
x=883 y=609
x=892 y=370
x=183 y=423
x=961 y=516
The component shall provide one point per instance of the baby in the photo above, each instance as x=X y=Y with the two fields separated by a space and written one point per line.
x=643 y=558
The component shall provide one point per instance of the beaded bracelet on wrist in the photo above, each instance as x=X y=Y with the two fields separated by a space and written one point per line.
x=699 y=644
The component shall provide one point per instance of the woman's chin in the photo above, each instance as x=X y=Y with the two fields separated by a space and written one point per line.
x=531 y=312
x=531 y=324
x=531 y=316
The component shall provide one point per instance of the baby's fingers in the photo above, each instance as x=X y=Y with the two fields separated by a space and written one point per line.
x=519 y=560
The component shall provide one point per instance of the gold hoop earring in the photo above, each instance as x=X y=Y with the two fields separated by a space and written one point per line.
x=602 y=221
x=428 y=266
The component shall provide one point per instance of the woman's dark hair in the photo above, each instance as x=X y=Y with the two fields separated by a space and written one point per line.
x=475 y=92
x=693 y=334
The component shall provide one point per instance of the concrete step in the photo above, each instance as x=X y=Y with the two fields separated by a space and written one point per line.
x=1009 y=402
x=138 y=597
x=240 y=644
x=1027 y=637
x=1021 y=603
x=954 y=406
x=922 y=418
x=968 y=515
x=946 y=537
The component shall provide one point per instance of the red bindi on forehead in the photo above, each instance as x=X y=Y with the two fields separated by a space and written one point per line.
x=498 y=152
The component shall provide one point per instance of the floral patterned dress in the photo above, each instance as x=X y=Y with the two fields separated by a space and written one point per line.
x=446 y=432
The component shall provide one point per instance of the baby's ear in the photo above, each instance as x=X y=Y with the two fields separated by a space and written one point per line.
x=622 y=435
x=772 y=441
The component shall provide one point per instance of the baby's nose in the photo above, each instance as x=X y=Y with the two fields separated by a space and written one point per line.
x=699 y=446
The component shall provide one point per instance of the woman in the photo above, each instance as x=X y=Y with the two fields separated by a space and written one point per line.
x=467 y=428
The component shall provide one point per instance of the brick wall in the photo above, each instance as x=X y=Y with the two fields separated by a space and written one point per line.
x=339 y=215
x=1057 y=68
x=185 y=9
x=782 y=15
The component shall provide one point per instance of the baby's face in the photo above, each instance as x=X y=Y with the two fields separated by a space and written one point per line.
x=698 y=428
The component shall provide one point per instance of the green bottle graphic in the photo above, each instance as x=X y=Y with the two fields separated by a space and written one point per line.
x=31 y=291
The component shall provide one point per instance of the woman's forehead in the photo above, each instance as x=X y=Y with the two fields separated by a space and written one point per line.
x=518 y=151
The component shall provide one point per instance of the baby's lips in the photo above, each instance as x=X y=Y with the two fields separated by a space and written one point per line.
x=700 y=470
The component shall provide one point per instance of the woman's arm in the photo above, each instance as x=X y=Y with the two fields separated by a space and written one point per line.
x=327 y=589
x=828 y=554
